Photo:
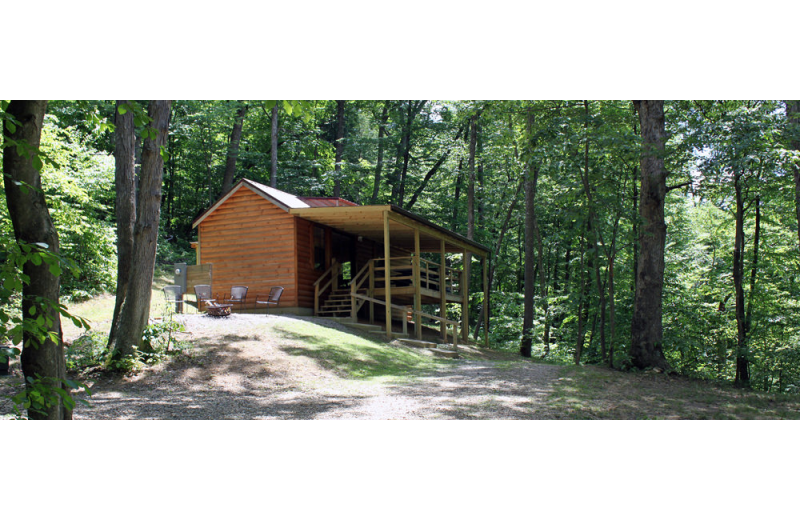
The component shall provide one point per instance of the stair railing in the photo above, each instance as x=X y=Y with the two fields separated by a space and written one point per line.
x=332 y=273
x=355 y=284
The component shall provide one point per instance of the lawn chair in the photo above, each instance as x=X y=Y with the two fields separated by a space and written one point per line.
x=173 y=294
x=203 y=295
x=238 y=295
x=272 y=299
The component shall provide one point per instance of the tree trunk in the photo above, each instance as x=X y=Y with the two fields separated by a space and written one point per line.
x=135 y=310
x=754 y=268
x=646 y=326
x=742 y=361
x=233 y=149
x=273 y=170
x=582 y=312
x=526 y=349
x=429 y=175
x=337 y=180
x=381 y=138
x=32 y=224
x=793 y=115
x=531 y=179
x=124 y=178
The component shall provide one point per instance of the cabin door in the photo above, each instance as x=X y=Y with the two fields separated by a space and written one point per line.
x=343 y=250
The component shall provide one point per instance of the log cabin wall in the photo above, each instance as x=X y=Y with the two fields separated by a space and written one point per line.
x=250 y=241
x=306 y=274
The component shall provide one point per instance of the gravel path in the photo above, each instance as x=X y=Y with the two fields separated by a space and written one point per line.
x=243 y=372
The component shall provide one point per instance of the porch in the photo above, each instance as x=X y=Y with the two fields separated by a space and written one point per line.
x=419 y=271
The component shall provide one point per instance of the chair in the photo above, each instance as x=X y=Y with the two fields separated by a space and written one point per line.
x=238 y=295
x=272 y=299
x=203 y=295
x=174 y=294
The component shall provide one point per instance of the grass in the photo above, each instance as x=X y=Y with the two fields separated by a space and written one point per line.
x=600 y=393
x=353 y=356
x=99 y=310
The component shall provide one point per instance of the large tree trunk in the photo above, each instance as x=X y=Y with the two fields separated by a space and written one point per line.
x=337 y=181
x=273 y=170
x=381 y=138
x=135 y=310
x=233 y=149
x=531 y=178
x=793 y=114
x=742 y=361
x=124 y=178
x=32 y=224
x=646 y=326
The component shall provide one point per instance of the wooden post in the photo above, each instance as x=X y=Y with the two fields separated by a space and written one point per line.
x=316 y=300
x=372 y=291
x=443 y=291
x=486 y=300
x=464 y=287
x=387 y=274
x=417 y=287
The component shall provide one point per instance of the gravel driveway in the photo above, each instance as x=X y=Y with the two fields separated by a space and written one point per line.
x=243 y=372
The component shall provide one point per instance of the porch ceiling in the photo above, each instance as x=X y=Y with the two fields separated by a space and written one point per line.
x=367 y=221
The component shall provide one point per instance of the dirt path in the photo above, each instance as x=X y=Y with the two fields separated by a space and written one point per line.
x=244 y=372
x=268 y=367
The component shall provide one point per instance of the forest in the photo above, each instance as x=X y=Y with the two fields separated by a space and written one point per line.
x=573 y=197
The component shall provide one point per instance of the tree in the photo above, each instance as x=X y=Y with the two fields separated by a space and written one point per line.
x=337 y=186
x=135 y=309
x=233 y=148
x=273 y=171
x=646 y=326
x=124 y=181
x=793 y=116
x=43 y=351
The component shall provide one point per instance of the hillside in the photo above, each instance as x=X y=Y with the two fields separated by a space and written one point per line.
x=270 y=367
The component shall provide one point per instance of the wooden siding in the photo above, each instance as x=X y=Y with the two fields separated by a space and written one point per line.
x=250 y=241
x=306 y=274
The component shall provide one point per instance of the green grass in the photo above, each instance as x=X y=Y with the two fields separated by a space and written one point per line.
x=99 y=310
x=353 y=356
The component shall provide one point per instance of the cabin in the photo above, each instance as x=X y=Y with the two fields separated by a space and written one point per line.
x=338 y=259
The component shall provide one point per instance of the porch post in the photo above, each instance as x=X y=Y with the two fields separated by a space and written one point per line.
x=417 y=286
x=443 y=291
x=387 y=274
x=465 y=295
x=486 y=300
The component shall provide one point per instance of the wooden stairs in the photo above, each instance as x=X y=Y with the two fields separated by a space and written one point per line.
x=337 y=304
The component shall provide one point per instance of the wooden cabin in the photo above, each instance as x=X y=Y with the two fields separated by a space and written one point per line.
x=330 y=255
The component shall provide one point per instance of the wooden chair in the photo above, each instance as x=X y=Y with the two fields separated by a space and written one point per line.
x=238 y=295
x=273 y=298
x=203 y=295
x=173 y=294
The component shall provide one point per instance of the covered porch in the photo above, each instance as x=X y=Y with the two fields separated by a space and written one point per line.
x=418 y=270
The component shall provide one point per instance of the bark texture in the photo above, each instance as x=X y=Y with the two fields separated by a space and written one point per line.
x=233 y=149
x=32 y=224
x=381 y=137
x=793 y=114
x=531 y=178
x=646 y=326
x=124 y=179
x=136 y=308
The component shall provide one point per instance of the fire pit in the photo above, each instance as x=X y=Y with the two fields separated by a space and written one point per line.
x=219 y=309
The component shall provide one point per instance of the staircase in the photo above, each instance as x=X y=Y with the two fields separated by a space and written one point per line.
x=337 y=304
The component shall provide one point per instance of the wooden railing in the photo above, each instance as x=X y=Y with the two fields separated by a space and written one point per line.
x=319 y=287
x=401 y=272
x=427 y=269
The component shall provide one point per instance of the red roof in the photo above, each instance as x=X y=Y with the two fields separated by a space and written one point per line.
x=321 y=202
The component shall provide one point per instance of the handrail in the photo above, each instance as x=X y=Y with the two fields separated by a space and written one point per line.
x=360 y=273
x=441 y=320
x=407 y=308
x=333 y=271
x=391 y=305
x=334 y=263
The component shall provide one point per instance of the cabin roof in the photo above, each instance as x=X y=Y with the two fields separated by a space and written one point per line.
x=366 y=221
